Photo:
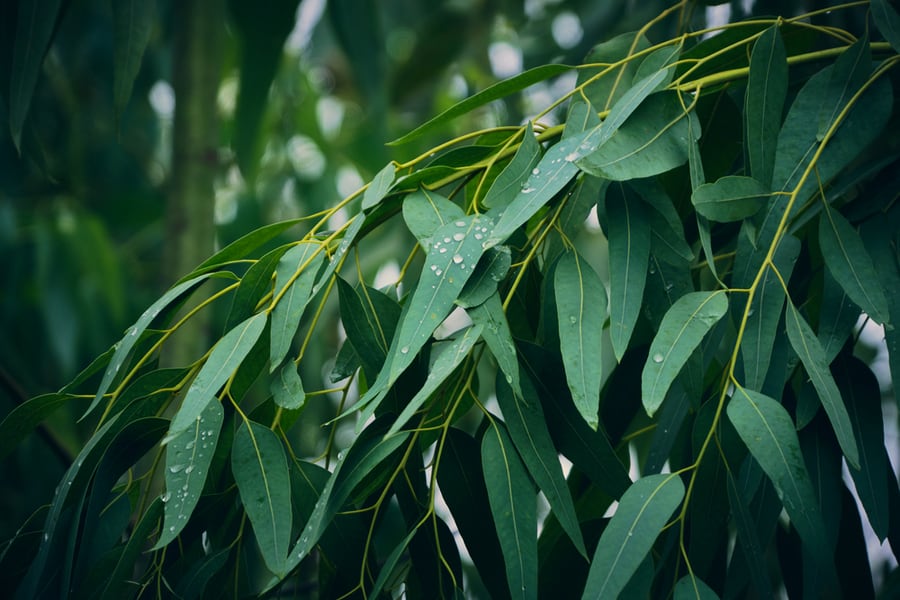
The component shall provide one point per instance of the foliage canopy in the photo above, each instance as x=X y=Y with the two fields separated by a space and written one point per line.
x=659 y=278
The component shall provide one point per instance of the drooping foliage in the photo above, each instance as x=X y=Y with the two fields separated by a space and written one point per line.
x=648 y=297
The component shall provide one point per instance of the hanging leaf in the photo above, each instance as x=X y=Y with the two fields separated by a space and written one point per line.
x=261 y=474
x=807 y=347
x=747 y=538
x=513 y=507
x=379 y=186
x=764 y=103
x=490 y=270
x=629 y=256
x=121 y=575
x=730 y=198
x=848 y=262
x=255 y=284
x=887 y=21
x=769 y=434
x=643 y=511
x=837 y=317
x=681 y=331
x=370 y=320
x=222 y=362
x=287 y=388
x=188 y=458
x=132 y=25
x=295 y=277
x=424 y=212
x=581 y=311
x=509 y=182
x=495 y=331
x=23 y=419
x=850 y=72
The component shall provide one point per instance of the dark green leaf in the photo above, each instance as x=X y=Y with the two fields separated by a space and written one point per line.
x=681 y=331
x=295 y=277
x=509 y=182
x=837 y=317
x=261 y=474
x=188 y=458
x=807 y=346
x=122 y=573
x=730 y=198
x=489 y=271
x=887 y=21
x=201 y=574
x=748 y=539
x=662 y=60
x=133 y=22
x=689 y=587
x=499 y=339
x=643 y=511
x=581 y=311
x=255 y=284
x=425 y=212
x=764 y=102
x=604 y=85
x=850 y=72
x=24 y=418
x=370 y=320
x=513 y=506
x=287 y=388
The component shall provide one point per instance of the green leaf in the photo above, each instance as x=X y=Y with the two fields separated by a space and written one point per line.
x=390 y=563
x=528 y=429
x=255 y=284
x=662 y=60
x=607 y=85
x=514 y=508
x=494 y=92
x=581 y=311
x=449 y=357
x=122 y=572
x=287 y=388
x=509 y=181
x=769 y=434
x=379 y=186
x=691 y=587
x=34 y=32
x=133 y=22
x=838 y=316
x=188 y=458
x=224 y=359
x=123 y=348
x=295 y=277
x=370 y=320
x=642 y=513
x=849 y=74
x=497 y=335
x=655 y=139
x=730 y=198
x=201 y=573
x=629 y=255
x=747 y=538
x=681 y=331
x=261 y=474
x=887 y=21
x=424 y=212
x=767 y=86
x=24 y=418
x=848 y=262
x=489 y=271
x=807 y=347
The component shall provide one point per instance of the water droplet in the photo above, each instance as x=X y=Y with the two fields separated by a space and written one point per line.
x=460 y=223
x=478 y=236
x=189 y=445
x=172 y=529
x=459 y=237
x=669 y=286
x=509 y=379
x=165 y=497
x=438 y=272
x=46 y=536
x=571 y=156
x=176 y=468
x=535 y=171
x=652 y=269
x=434 y=267
x=457 y=259
x=527 y=190
x=573 y=319
x=446 y=240
x=189 y=470
x=403 y=350
x=750 y=312
x=443 y=250
x=657 y=358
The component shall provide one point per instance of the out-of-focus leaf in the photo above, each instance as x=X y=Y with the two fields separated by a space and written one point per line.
x=509 y=181
x=848 y=262
x=295 y=277
x=23 y=419
x=887 y=21
x=807 y=346
x=34 y=31
x=769 y=434
x=730 y=198
x=528 y=430
x=652 y=141
x=261 y=474
x=224 y=359
x=681 y=331
x=201 y=574
x=690 y=587
x=489 y=94
x=767 y=85
x=188 y=457
x=629 y=255
x=514 y=508
x=133 y=22
x=390 y=563
x=424 y=212
x=581 y=311
x=643 y=511
x=287 y=387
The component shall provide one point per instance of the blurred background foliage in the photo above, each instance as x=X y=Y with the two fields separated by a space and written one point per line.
x=306 y=96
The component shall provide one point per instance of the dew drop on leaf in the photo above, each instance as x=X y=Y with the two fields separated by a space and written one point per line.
x=459 y=237
x=657 y=358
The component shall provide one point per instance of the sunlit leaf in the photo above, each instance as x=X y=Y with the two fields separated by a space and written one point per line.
x=769 y=434
x=807 y=346
x=848 y=262
x=643 y=511
x=224 y=359
x=513 y=506
x=261 y=474
x=730 y=198
x=764 y=102
x=295 y=277
x=581 y=311
x=133 y=23
x=681 y=331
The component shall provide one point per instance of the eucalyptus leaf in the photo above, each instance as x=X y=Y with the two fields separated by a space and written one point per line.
x=133 y=22
x=730 y=198
x=490 y=270
x=287 y=387
x=629 y=256
x=509 y=182
x=767 y=86
x=425 y=212
x=23 y=419
x=379 y=186
x=690 y=587
x=295 y=277
x=887 y=21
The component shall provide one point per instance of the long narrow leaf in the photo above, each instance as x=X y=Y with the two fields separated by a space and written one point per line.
x=764 y=102
x=629 y=256
x=133 y=22
x=295 y=277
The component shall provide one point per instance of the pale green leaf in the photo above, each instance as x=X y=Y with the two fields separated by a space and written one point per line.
x=287 y=387
x=730 y=198
x=808 y=348
x=133 y=22
x=261 y=473
x=508 y=183
x=498 y=90
x=681 y=331
x=379 y=186
x=849 y=263
x=424 y=212
x=188 y=457
x=643 y=511
x=295 y=277
x=513 y=502
x=629 y=255
x=581 y=311
x=221 y=364
x=449 y=356
x=764 y=102
x=887 y=21
x=768 y=432
x=655 y=139
x=690 y=587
